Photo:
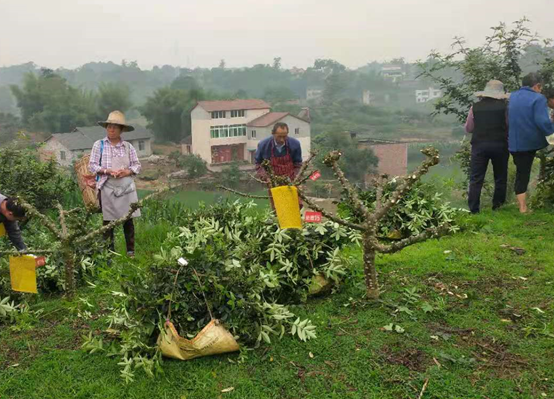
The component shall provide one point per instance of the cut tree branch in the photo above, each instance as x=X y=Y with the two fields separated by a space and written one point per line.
x=329 y=215
x=423 y=236
x=32 y=211
x=432 y=160
x=305 y=165
x=114 y=223
x=243 y=194
x=332 y=160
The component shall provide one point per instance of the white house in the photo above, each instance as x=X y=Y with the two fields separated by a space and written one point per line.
x=69 y=147
x=226 y=131
x=392 y=72
x=423 y=96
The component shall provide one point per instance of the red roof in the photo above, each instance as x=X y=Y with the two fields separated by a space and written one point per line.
x=233 y=105
x=267 y=119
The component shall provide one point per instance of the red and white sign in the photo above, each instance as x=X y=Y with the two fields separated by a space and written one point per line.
x=316 y=175
x=312 y=217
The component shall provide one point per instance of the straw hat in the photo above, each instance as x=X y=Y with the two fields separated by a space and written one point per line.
x=117 y=118
x=493 y=89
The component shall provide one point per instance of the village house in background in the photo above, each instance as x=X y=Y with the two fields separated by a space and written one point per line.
x=393 y=72
x=69 y=147
x=227 y=131
x=314 y=94
x=423 y=96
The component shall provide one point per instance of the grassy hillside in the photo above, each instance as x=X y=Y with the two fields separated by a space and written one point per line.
x=475 y=315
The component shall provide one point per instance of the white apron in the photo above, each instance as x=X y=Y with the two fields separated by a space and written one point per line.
x=119 y=193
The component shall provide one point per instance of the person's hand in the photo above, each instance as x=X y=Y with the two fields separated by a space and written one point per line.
x=123 y=173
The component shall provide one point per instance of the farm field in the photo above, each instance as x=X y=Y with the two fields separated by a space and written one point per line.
x=466 y=316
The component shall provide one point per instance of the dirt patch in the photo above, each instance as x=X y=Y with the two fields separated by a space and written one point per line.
x=411 y=358
x=12 y=353
x=495 y=356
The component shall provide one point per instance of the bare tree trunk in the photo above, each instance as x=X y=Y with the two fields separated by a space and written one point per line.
x=69 y=260
x=370 y=272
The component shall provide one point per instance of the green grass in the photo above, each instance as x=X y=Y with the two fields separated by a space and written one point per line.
x=194 y=198
x=485 y=337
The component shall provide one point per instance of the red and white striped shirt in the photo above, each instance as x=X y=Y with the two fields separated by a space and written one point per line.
x=110 y=151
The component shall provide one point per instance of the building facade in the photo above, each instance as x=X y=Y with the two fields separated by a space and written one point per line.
x=392 y=155
x=227 y=131
x=66 y=148
x=423 y=96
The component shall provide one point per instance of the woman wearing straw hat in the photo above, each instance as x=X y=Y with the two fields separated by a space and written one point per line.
x=115 y=163
x=487 y=121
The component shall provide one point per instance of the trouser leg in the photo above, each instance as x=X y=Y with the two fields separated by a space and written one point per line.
x=524 y=163
x=108 y=235
x=500 y=168
x=129 y=231
x=479 y=163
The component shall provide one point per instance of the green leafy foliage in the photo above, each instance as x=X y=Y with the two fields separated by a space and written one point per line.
x=246 y=268
x=355 y=162
x=467 y=70
x=49 y=103
x=419 y=209
x=41 y=183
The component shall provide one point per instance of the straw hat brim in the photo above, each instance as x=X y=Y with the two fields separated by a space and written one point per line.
x=125 y=128
x=497 y=96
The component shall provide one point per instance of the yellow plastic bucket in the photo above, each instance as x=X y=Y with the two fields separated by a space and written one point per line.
x=2 y=230
x=23 y=274
x=285 y=199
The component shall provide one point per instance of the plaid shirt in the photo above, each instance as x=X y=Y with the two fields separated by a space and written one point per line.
x=108 y=153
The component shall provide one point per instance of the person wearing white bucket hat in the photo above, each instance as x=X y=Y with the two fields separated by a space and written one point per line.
x=487 y=122
x=115 y=163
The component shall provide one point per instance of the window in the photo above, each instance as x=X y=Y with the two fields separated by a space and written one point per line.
x=253 y=134
x=218 y=114
x=141 y=145
x=297 y=131
x=224 y=131
x=62 y=155
x=237 y=114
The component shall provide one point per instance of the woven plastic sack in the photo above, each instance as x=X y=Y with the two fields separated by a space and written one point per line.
x=23 y=274
x=85 y=180
x=287 y=207
x=214 y=339
x=2 y=230
x=319 y=285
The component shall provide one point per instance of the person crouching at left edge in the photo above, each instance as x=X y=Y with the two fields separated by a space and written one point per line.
x=10 y=213
x=115 y=163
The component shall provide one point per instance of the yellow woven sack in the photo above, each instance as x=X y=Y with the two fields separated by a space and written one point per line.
x=286 y=206
x=212 y=340
x=2 y=230
x=90 y=197
x=23 y=274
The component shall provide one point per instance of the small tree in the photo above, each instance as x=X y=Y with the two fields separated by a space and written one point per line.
x=372 y=243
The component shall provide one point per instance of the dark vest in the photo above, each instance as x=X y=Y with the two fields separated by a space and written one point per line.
x=490 y=121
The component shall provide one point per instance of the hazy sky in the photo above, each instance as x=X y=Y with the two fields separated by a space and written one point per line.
x=192 y=33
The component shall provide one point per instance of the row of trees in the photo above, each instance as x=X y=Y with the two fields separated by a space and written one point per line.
x=48 y=103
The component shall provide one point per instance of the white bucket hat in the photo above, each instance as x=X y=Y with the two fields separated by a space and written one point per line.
x=117 y=118
x=493 y=89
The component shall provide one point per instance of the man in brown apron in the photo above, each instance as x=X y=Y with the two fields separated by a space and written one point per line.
x=283 y=152
x=115 y=163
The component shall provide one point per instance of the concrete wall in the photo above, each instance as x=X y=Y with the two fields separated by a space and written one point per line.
x=393 y=158
x=53 y=149
x=304 y=135
x=201 y=122
x=147 y=147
